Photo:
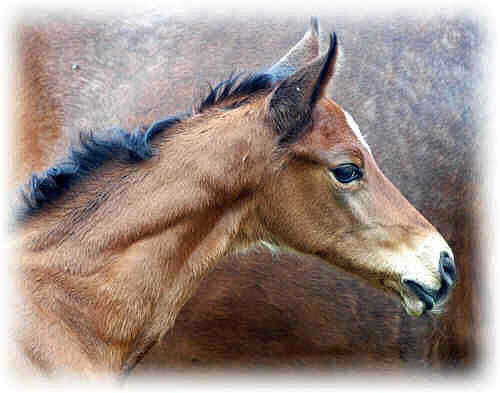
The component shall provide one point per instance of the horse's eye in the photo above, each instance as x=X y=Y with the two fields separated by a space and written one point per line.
x=347 y=173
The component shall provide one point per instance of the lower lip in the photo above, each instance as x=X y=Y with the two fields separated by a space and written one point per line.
x=389 y=287
x=414 y=313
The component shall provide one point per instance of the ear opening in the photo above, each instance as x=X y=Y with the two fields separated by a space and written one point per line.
x=290 y=104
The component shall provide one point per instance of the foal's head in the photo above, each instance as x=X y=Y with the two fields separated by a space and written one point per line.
x=288 y=164
x=330 y=199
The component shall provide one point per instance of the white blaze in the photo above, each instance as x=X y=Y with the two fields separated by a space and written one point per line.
x=355 y=128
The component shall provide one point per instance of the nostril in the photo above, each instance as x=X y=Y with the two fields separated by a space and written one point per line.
x=447 y=269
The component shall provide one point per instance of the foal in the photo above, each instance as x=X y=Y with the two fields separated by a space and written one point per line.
x=115 y=239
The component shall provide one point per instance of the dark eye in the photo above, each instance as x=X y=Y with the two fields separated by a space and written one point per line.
x=347 y=173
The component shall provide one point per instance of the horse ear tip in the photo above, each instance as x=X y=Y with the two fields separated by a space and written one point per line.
x=333 y=41
x=314 y=28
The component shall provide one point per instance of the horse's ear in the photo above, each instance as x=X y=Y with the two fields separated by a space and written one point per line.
x=290 y=104
x=300 y=54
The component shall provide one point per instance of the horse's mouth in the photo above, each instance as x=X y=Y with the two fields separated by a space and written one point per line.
x=413 y=305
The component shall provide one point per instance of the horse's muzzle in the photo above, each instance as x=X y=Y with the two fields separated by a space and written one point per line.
x=430 y=297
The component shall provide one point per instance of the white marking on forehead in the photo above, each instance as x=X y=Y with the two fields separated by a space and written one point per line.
x=355 y=128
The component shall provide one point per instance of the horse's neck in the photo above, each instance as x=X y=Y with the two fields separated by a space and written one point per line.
x=98 y=322
x=104 y=317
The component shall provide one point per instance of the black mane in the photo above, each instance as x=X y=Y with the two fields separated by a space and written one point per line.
x=230 y=88
x=96 y=149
